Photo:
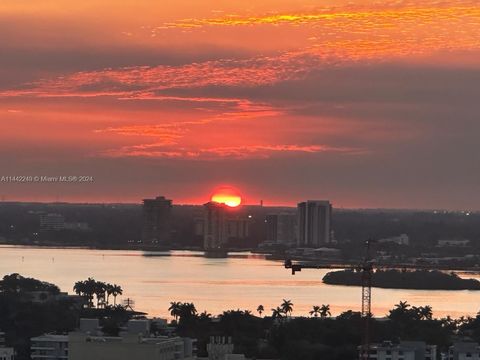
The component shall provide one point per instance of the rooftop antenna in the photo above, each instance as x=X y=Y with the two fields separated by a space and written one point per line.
x=128 y=304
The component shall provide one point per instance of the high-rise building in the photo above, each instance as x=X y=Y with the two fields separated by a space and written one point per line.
x=281 y=228
x=157 y=220
x=314 y=223
x=214 y=236
x=221 y=224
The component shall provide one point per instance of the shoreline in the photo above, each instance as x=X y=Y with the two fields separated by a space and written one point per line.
x=270 y=256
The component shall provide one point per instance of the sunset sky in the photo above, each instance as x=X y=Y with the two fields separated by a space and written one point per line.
x=365 y=105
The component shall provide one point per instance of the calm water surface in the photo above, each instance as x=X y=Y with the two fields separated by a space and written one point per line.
x=243 y=281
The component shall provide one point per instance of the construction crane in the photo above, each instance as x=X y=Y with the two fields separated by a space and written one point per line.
x=367 y=271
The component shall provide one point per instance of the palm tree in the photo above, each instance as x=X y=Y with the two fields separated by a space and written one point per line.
x=277 y=312
x=79 y=288
x=325 y=311
x=315 y=311
x=175 y=308
x=425 y=312
x=462 y=320
x=403 y=311
x=191 y=308
x=116 y=290
x=90 y=285
x=205 y=315
x=260 y=310
x=109 y=291
x=287 y=307
x=449 y=323
x=100 y=288
x=402 y=305
x=187 y=311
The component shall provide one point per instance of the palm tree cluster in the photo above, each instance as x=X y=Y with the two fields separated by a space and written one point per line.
x=403 y=310
x=91 y=288
x=322 y=311
x=285 y=309
x=184 y=311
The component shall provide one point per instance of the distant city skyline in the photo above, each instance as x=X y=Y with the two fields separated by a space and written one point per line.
x=371 y=105
x=202 y=201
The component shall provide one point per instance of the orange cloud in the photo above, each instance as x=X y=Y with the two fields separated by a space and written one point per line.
x=144 y=82
x=375 y=16
x=326 y=37
x=159 y=150
x=357 y=32
x=334 y=36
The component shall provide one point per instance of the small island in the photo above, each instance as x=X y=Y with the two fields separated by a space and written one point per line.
x=395 y=279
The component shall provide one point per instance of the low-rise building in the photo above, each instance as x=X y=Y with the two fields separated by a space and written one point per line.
x=219 y=348
x=322 y=253
x=464 y=351
x=135 y=342
x=51 y=222
x=126 y=347
x=402 y=239
x=327 y=253
x=77 y=226
x=6 y=353
x=404 y=350
x=49 y=347
x=453 y=242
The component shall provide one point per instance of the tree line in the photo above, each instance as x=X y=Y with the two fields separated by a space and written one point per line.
x=186 y=310
x=264 y=333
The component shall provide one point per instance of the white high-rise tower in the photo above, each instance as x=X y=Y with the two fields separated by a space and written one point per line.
x=314 y=223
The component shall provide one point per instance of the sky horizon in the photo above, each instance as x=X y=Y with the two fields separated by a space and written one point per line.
x=370 y=105
x=200 y=202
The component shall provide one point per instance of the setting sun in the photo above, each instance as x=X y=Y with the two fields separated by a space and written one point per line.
x=228 y=196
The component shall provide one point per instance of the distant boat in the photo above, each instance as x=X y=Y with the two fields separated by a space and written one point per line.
x=156 y=253
x=216 y=253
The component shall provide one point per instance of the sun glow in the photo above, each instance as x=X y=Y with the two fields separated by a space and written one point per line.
x=228 y=196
